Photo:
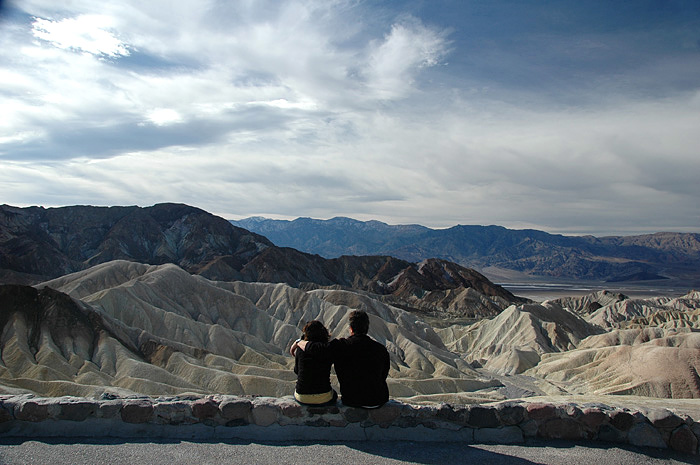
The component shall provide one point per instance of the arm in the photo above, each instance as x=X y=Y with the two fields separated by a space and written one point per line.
x=315 y=348
x=298 y=344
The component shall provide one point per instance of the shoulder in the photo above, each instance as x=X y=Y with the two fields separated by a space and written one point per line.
x=316 y=344
x=338 y=345
x=376 y=345
x=365 y=340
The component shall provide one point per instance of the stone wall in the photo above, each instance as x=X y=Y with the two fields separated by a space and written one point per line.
x=267 y=418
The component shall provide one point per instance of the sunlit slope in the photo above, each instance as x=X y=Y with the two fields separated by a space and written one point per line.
x=596 y=344
x=126 y=328
x=652 y=348
x=164 y=331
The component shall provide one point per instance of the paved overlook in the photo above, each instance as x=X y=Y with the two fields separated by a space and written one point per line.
x=173 y=452
x=181 y=423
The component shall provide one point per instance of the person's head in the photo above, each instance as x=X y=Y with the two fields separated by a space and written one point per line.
x=359 y=322
x=314 y=331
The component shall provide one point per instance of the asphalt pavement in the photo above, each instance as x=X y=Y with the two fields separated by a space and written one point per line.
x=57 y=451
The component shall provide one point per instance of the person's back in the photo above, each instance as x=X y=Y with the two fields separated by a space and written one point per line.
x=361 y=363
x=362 y=366
x=313 y=371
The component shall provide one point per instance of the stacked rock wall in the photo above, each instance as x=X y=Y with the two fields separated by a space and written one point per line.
x=267 y=418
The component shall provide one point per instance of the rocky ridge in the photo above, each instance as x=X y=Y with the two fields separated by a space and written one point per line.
x=603 y=344
x=125 y=328
x=43 y=243
x=157 y=330
x=647 y=257
x=37 y=244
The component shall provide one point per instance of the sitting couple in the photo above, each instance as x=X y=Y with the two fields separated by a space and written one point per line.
x=361 y=363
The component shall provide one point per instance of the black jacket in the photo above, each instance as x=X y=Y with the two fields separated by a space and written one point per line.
x=362 y=366
x=313 y=372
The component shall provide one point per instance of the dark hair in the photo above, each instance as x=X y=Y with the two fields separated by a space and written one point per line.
x=359 y=322
x=314 y=331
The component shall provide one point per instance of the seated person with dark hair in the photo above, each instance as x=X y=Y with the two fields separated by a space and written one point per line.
x=314 y=370
x=361 y=363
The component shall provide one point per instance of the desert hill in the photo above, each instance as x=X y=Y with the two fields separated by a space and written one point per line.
x=650 y=347
x=616 y=258
x=644 y=362
x=601 y=344
x=125 y=328
x=516 y=339
x=37 y=244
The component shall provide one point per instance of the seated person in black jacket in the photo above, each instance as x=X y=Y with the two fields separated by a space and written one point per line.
x=314 y=370
x=361 y=363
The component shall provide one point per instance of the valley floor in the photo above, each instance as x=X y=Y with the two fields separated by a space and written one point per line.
x=541 y=291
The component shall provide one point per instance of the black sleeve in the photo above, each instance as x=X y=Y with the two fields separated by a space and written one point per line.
x=315 y=348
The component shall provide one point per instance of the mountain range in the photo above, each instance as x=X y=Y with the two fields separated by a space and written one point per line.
x=170 y=300
x=38 y=244
x=495 y=250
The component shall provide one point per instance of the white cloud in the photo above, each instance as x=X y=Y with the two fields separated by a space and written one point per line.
x=407 y=48
x=164 y=116
x=85 y=33
x=303 y=104
x=325 y=108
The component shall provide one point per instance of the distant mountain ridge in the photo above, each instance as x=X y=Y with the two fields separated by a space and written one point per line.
x=614 y=258
x=38 y=244
x=43 y=243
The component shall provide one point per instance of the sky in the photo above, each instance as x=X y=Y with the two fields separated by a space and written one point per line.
x=572 y=117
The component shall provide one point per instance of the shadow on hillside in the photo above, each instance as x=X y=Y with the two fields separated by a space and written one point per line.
x=156 y=451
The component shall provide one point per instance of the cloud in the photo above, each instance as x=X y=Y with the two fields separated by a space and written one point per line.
x=164 y=116
x=404 y=51
x=555 y=117
x=284 y=60
x=84 y=33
